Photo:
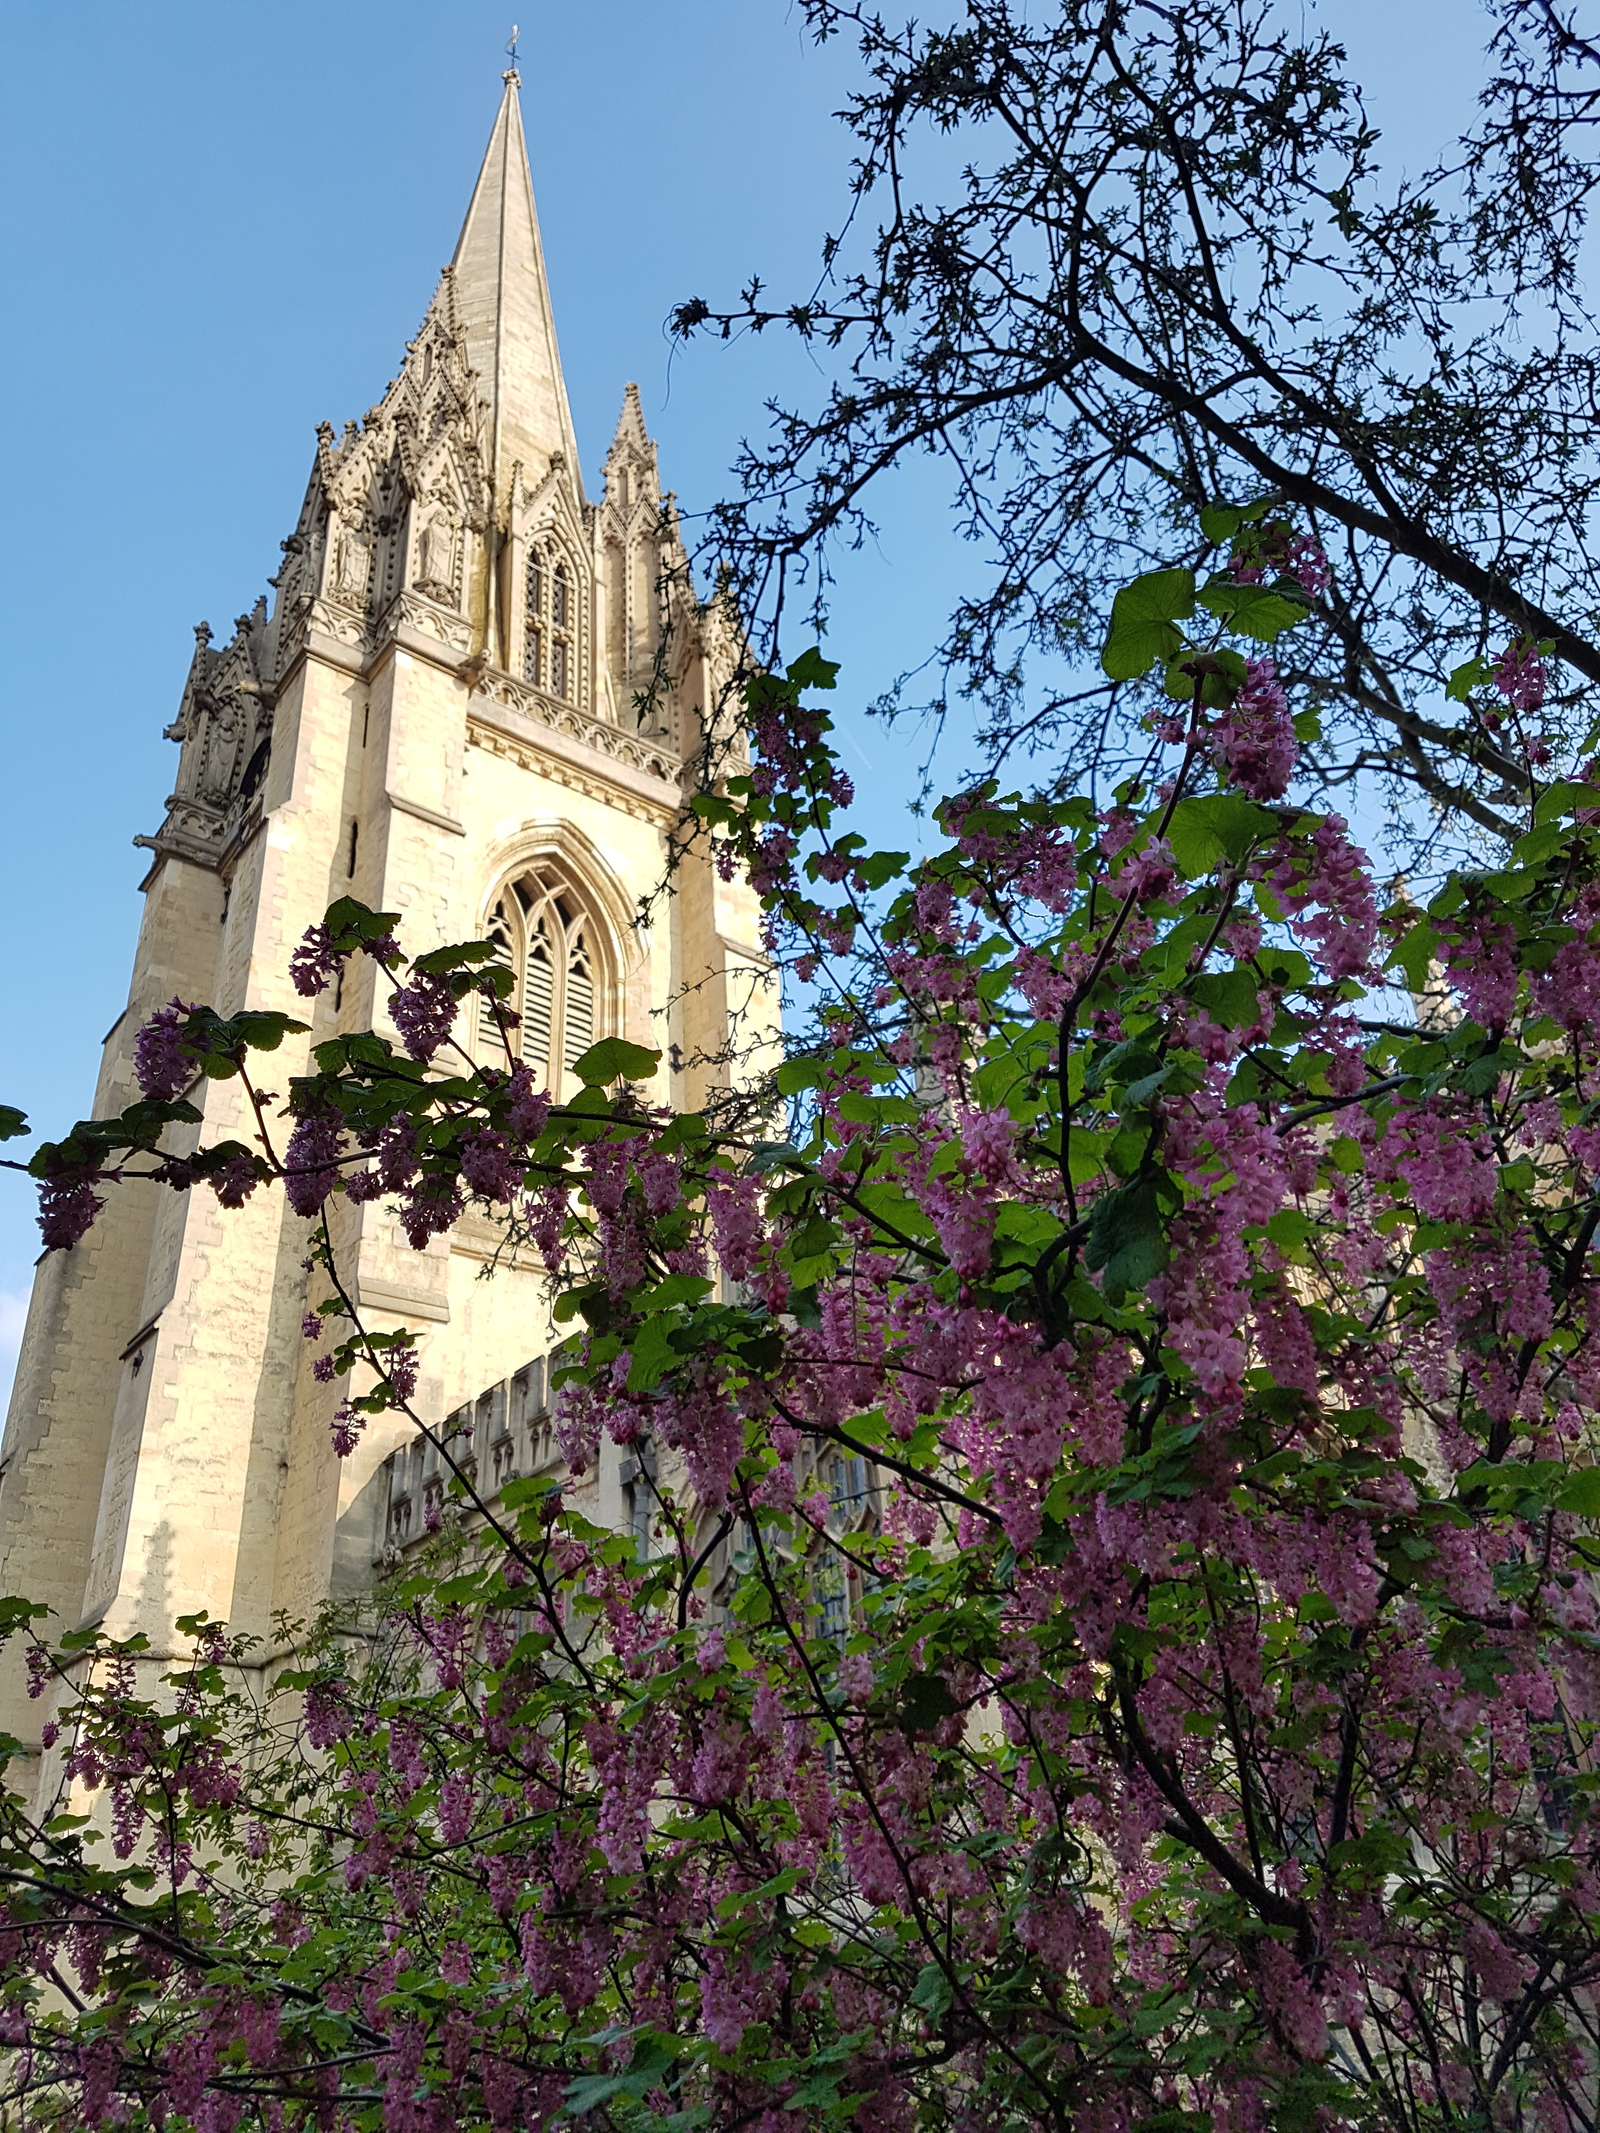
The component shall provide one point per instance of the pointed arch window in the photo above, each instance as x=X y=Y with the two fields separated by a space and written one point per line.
x=549 y=621
x=548 y=935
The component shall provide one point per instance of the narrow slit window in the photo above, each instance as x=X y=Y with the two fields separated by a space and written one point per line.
x=561 y=609
x=533 y=620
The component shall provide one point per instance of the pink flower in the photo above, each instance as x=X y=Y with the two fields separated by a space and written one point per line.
x=856 y=1678
x=310 y=1162
x=1254 y=741
x=346 y=1429
x=1150 y=875
x=314 y=962
x=1325 y=884
x=1519 y=675
x=1445 y=1160
x=67 y=1208
x=734 y=1205
x=1478 y=956
x=161 y=1066
x=424 y=1013
x=490 y=1166
x=987 y=1138
x=529 y=1110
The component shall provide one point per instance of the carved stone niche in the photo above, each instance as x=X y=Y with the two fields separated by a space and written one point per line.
x=438 y=559
x=352 y=565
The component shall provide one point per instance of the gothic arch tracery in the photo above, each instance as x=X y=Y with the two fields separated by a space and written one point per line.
x=554 y=938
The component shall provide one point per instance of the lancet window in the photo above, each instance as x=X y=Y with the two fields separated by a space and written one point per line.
x=560 y=632
x=547 y=935
x=549 y=621
x=533 y=620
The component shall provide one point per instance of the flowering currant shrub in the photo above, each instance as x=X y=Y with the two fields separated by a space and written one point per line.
x=1186 y=1717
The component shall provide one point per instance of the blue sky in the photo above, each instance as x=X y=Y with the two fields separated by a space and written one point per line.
x=223 y=219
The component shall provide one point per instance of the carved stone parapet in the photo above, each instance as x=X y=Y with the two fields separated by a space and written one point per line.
x=413 y=610
x=638 y=751
x=332 y=618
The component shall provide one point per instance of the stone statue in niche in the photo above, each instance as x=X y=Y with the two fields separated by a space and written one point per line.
x=219 y=751
x=352 y=562
x=436 y=560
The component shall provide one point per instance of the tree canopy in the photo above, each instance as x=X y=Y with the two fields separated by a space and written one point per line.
x=1116 y=1644
x=1112 y=261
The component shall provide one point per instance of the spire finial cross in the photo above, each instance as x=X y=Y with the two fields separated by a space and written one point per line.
x=511 y=48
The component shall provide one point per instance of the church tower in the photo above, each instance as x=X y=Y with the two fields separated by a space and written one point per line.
x=475 y=699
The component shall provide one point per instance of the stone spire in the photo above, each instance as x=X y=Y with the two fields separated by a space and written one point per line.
x=502 y=301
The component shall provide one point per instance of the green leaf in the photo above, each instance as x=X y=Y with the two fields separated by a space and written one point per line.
x=1533 y=849
x=12 y=1122
x=1219 y=522
x=1144 y=618
x=676 y=1289
x=1566 y=797
x=589 y=2091
x=1125 y=1066
x=1259 y=611
x=1307 y=726
x=1471 y=674
x=812 y=671
x=461 y=955
x=1229 y=997
x=875 y=868
x=1126 y=1237
x=1222 y=826
x=1413 y=952
x=528 y=1489
x=615 y=1059
x=925 y=1700
x=797 y=1074
x=653 y=1355
x=932 y=1991
x=1580 y=1492
x=346 y=918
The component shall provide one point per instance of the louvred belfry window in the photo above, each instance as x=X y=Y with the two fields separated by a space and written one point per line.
x=545 y=932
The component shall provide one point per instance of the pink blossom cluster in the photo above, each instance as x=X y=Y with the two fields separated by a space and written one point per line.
x=1519 y=675
x=1326 y=886
x=424 y=1012
x=161 y=1065
x=1254 y=742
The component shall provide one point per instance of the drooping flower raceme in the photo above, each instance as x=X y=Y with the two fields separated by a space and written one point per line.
x=161 y=1065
